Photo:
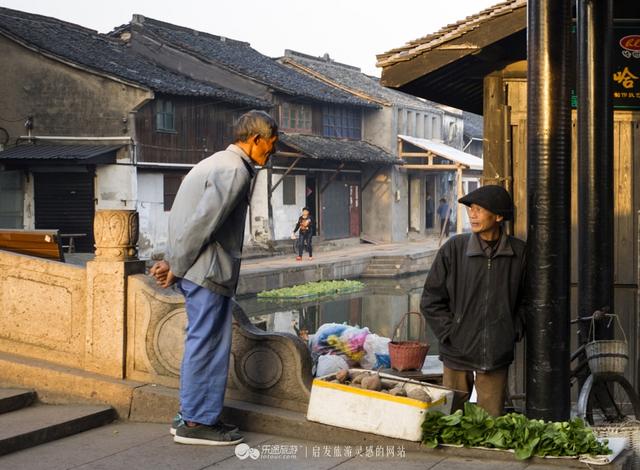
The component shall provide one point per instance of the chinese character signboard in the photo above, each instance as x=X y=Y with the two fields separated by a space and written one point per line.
x=626 y=67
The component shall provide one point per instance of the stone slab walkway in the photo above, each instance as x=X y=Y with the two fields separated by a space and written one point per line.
x=149 y=446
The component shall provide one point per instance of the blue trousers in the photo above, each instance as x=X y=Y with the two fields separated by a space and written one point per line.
x=207 y=347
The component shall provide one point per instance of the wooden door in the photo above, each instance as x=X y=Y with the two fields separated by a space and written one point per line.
x=354 y=210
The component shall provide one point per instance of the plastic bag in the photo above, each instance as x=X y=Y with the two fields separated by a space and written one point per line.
x=330 y=364
x=376 y=352
x=343 y=340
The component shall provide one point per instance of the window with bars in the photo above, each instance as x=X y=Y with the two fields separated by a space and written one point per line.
x=342 y=122
x=295 y=117
x=165 y=116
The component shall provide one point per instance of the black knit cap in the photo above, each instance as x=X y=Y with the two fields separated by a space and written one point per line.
x=494 y=198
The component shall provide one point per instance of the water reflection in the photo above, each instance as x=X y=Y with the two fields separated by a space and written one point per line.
x=380 y=306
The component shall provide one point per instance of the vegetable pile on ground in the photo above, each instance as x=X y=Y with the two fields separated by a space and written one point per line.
x=527 y=437
x=312 y=289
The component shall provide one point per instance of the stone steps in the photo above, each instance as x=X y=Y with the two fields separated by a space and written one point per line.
x=12 y=399
x=384 y=267
x=25 y=423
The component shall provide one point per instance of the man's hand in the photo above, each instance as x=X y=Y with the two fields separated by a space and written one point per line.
x=161 y=271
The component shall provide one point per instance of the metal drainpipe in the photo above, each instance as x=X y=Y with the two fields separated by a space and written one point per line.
x=595 y=162
x=549 y=204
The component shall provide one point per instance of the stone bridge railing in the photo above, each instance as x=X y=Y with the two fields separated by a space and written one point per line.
x=110 y=318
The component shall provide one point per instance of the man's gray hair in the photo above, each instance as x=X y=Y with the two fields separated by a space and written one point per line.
x=252 y=123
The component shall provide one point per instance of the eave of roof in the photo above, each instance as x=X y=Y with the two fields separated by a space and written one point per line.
x=331 y=148
x=449 y=66
x=40 y=153
x=451 y=33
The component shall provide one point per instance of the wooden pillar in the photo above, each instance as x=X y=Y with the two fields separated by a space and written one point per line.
x=459 y=214
x=493 y=146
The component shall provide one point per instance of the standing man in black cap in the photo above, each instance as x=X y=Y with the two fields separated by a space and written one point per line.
x=473 y=299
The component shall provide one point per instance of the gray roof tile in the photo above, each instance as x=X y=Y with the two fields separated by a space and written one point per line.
x=107 y=55
x=60 y=152
x=352 y=78
x=343 y=150
x=241 y=57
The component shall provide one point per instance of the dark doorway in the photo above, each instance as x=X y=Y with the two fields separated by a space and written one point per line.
x=430 y=202
x=311 y=200
x=65 y=201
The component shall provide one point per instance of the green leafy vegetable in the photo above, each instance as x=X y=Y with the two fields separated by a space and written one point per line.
x=313 y=289
x=515 y=431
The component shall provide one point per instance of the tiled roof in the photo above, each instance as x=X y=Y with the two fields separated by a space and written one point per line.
x=60 y=152
x=330 y=148
x=105 y=55
x=243 y=59
x=353 y=79
x=473 y=125
x=448 y=33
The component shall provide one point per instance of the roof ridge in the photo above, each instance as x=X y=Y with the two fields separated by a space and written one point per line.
x=141 y=19
x=32 y=16
x=325 y=59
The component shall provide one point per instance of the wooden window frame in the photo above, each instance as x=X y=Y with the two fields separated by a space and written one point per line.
x=165 y=110
x=347 y=122
x=302 y=115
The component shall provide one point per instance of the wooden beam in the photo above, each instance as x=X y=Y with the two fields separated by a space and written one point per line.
x=431 y=167
x=333 y=177
x=415 y=154
x=460 y=194
x=375 y=173
x=284 y=176
x=287 y=154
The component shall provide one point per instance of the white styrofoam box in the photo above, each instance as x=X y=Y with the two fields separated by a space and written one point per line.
x=375 y=412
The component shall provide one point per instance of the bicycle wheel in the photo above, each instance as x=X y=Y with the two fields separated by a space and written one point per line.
x=607 y=398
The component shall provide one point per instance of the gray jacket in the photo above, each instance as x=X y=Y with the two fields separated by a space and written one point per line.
x=207 y=221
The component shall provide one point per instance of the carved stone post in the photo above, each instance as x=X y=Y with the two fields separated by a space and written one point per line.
x=116 y=236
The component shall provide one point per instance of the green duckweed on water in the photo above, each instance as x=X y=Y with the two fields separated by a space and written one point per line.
x=312 y=289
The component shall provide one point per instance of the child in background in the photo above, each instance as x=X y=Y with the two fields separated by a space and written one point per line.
x=305 y=225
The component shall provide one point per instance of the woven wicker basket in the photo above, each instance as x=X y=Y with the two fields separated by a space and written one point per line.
x=629 y=429
x=607 y=355
x=408 y=355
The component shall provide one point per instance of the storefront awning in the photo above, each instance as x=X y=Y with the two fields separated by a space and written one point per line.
x=438 y=149
x=87 y=154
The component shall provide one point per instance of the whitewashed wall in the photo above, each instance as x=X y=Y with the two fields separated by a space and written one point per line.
x=116 y=187
x=286 y=216
x=154 y=221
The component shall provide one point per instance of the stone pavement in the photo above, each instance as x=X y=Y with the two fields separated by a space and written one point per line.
x=363 y=249
x=260 y=274
x=143 y=446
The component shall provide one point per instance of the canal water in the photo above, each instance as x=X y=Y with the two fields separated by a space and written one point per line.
x=379 y=306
